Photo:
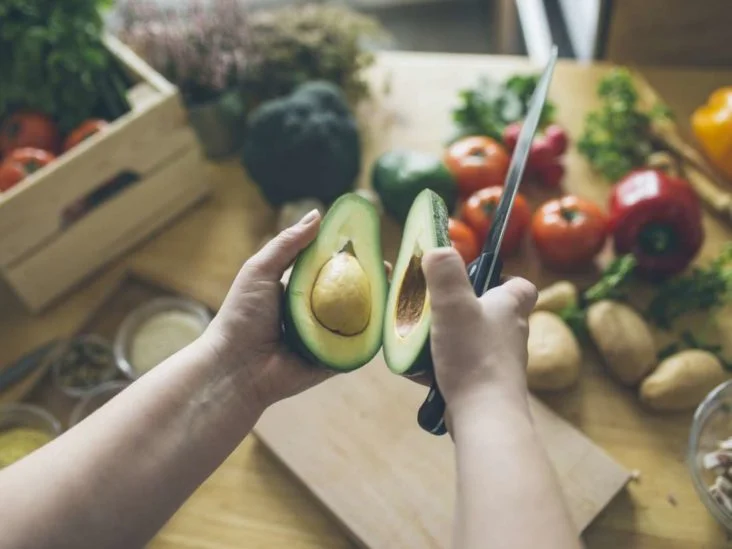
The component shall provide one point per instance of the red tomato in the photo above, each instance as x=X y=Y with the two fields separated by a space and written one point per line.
x=28 y=129
x=20 y=164
x=478 y=213
x=463 y=240
x=476 y=163
x=83 y=132
x=569 y=232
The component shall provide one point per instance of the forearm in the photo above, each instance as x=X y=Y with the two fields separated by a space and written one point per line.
x=116 y=478
x=508 y=495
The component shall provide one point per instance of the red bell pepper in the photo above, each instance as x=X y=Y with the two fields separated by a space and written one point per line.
x=656 y=217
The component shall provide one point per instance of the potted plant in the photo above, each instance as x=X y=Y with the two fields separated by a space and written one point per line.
x=202 y=47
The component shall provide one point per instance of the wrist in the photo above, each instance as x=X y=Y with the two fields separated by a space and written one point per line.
x=232 y=370
x=504 y=404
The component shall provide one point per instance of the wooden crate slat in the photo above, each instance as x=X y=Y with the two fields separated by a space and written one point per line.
x=31 y=214
x=109 y=230
x=138 y=67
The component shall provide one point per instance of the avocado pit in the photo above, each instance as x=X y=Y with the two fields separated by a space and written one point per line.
x=341 y=295
x=412 y=297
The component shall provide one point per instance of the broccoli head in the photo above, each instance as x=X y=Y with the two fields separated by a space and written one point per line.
x=303 y=145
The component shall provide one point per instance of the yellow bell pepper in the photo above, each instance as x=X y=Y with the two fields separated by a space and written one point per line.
x=712 y=126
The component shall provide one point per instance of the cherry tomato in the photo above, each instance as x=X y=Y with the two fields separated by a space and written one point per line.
x=463 y=240
x=28 y=129
x=476 y=163
x=569 y=232
x=478 y=213
x=20 y=164
x=83 y=132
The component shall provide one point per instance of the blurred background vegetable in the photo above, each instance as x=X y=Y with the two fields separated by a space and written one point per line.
x=53 y=61
x=656 y=217
x=569 y=232
x=477 y=162
x=305 y=145
x=490 y=106
x=479 y=210
x=712 y=125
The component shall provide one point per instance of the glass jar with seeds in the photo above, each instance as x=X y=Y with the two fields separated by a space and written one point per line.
x=86 y=362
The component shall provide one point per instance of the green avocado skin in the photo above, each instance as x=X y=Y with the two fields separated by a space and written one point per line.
x=399 y=176
x=440 y=214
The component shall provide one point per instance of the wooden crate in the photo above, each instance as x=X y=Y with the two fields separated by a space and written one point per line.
x=154 y=159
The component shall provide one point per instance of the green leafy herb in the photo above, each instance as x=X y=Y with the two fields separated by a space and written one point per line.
x=613 y=282
x=53 y=60
x=490 y=106
x=576 y=318
x=702 y=289
x=613 y=285
x=618 y=136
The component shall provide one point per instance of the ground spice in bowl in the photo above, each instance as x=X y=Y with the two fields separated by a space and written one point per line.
x=18 y=442
x=23 y=429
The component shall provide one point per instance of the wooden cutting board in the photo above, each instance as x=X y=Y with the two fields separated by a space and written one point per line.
x=355 y=444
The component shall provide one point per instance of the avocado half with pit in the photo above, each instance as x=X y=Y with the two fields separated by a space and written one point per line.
x=408 y=315
x=335 y=299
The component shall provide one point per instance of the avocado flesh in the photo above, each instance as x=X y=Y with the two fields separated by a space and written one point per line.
x=335 y=299
x=408 y=317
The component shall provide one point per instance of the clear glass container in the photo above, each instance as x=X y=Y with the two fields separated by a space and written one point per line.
x=133 y=321
x=107 y=373
x=27 y=415
x=712 y=423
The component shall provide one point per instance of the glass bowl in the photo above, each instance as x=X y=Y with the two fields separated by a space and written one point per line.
x=712 y=424
x=30 y=416
x=107 y=372
x=96 y=399
x=133 y=321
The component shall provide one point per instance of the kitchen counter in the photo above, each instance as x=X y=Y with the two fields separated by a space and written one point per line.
x=251 y=500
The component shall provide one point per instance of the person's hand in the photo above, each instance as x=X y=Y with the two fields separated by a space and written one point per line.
x=246 y=334
x=479 y=346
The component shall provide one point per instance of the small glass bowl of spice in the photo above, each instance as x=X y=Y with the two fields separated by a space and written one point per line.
x=86 y=362
x=710 y=453
x=23 y=429
x=156 y=330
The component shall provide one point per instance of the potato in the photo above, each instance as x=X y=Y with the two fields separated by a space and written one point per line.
x=682 y=381
x=557 y=297
x=554 y=353
x=624 y=340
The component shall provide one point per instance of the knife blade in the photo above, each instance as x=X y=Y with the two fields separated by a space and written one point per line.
x=485 y=271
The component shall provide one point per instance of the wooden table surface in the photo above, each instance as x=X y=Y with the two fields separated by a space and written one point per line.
x=252 y=501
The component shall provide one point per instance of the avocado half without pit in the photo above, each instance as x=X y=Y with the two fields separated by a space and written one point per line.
x=334 y=304
x=408 y=315
x=337 y=312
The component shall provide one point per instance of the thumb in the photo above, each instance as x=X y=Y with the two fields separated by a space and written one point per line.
x=446 y=277
x=277 y=255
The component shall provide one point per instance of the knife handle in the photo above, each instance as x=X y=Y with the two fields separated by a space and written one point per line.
x=431 y=415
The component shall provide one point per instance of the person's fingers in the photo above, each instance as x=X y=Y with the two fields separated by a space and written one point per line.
x=446 y=277
x=523 y=293
x=277 y=255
